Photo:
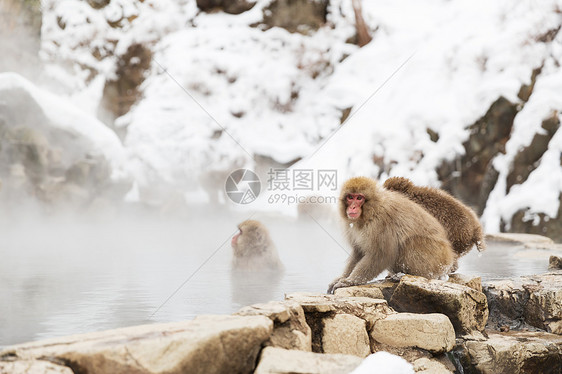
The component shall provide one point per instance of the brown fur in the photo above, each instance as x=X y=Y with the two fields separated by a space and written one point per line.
x=253 y=248
x=461 y=223
x=392 y=233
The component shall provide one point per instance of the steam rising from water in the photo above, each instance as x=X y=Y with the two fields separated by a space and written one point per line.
x=65 y=274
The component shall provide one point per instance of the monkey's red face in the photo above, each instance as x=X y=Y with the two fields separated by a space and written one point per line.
x=354 y=201
x=234 y=241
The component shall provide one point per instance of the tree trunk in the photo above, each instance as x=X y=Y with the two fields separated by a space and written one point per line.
x=363 y=36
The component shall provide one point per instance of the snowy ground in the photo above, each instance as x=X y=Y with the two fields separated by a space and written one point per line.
x=434 y=64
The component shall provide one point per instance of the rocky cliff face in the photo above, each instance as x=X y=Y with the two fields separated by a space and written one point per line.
x=472 y=176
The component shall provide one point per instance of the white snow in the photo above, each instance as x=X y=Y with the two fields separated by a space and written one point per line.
x=433 y=64
x=384 y=363
x=65 y=116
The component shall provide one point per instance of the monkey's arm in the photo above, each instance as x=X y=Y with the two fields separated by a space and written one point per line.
x=352 y=261
x=368 y=267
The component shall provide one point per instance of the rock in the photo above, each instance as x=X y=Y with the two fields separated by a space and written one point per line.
x=16 y=186
x=528 y=158
x=318 y=307
x=365 y=308
x=89 y=172
x=555 y=263
x=283 y=361
x=120 y=93
x=535 y=300
x=290 y=330
x=360 y=291
x=466 y=308
x=386 y=286
x=549 y=35
x=527 y=89
x=432 y=332
x=64 y=194
x=473 y=282
x=53 y=152
x=32 y=367
x=513 y=352
x=228 y=6
x=488 y=136
x=410 y=354
x=429 y=366
x=295 y=15
x=540 y=223
x=346 y=334
x=27 y=147
x=98 y=4
x=207 y=344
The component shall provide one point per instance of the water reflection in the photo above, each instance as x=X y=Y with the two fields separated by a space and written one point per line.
x=503 y=260
x=61 y=277
x=255 y=287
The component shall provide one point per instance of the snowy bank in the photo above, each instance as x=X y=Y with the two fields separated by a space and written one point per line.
x=224 y=91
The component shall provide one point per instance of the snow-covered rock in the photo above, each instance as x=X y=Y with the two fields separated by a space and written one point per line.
x=54 y=151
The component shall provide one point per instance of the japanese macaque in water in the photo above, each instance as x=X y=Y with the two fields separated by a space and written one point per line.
x=256 y=268
x=387 y=231
x=463 y=228
x=253 y=248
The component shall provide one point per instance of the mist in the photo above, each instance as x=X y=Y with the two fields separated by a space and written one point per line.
x=69 y=273
x=87 y=262
x=65 y=273
x=20 y=28
x=106 y=225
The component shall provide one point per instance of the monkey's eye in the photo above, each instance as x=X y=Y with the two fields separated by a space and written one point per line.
x=349 y=197
x=359 y=197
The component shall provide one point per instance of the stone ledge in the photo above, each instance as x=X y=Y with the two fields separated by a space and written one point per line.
x=432 y=332
x=207 y=344
x=283 y=361
x=466 y=308
x=514 y=352
x=535 y=300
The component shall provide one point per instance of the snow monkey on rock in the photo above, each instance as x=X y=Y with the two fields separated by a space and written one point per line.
x=386 y=230
x=253 y=248
x=461 y=223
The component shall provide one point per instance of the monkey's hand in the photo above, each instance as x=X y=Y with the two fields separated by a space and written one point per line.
x=331 y=288
x=343 y=282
